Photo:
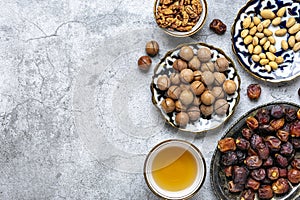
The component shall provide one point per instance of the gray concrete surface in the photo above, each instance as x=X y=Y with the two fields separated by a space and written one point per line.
x=71 y=125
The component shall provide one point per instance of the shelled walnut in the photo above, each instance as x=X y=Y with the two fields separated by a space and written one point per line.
x=179 y=15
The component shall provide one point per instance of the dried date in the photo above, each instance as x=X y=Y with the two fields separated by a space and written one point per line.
x=253 y=91
x=263 y=116
x=247 y=195
x=253 y=184
x=273 y=173
x=247 y=133
x=290 y=115
x=253 y=162
x=273 y=143
x=218 y=26
x=281 y=186
x=240 y=175
x=263 y=151
x=229 y=158
x=283 y=135
x=265 y=192
x=296 y=163
x=255 y=140
x=235 y=187
x=277 y=111
x=287 y=149
x=281 y=160
x=295 y=129
x=258 y=174
x=294 y=176
x=252 y=123
x=227 y=144
x=242 y=143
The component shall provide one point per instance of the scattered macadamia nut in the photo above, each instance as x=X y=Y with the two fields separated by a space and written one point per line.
x=144 y=63
x=179 y=65
x=229 y=86
x=206 y=110
x=152 y=48
x=182 y=119
x=168 y=105
x=204 y=54
x=221 y=106
x=186 y=53
x=174 y=92
x=163 y=82
x=186 y=97
x=194 y=113
x=207 y=98
x=221 y=64
x=197 y=87
x=186 y=75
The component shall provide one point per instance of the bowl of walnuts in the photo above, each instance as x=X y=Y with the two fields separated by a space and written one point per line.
x=180 y=18
x=196 y=87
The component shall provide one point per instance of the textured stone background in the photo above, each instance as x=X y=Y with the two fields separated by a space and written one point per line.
x=43 y=47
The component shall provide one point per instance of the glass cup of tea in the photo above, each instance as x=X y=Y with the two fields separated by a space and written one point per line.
x=175 y=169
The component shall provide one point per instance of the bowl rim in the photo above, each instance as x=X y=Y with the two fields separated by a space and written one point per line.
x=248 y=3
x=211 y=47
x=228 y=130
x=189 y=33
x=201 y=157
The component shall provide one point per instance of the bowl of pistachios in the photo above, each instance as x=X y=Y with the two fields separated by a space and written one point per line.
x=266 y=39
x=180 y=18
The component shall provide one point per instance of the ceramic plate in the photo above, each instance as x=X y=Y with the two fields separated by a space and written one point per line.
x=202 y=124
x=218 y=180
x=287 y=70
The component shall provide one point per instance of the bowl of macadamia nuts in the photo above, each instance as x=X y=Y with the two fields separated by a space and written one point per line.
x=266 y=39
x=196 y=87
x=180 y=18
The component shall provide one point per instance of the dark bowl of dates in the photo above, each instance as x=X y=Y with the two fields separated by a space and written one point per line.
x=180 y=18
x=259 y=156
x=196 y=87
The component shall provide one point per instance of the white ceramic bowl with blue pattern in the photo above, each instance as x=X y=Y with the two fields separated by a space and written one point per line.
x=286 y=71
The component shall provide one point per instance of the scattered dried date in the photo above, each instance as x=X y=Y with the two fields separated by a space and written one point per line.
x=218 y=26
x=253 y=91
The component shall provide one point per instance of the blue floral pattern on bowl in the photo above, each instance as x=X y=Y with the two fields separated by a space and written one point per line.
x=290 y=68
